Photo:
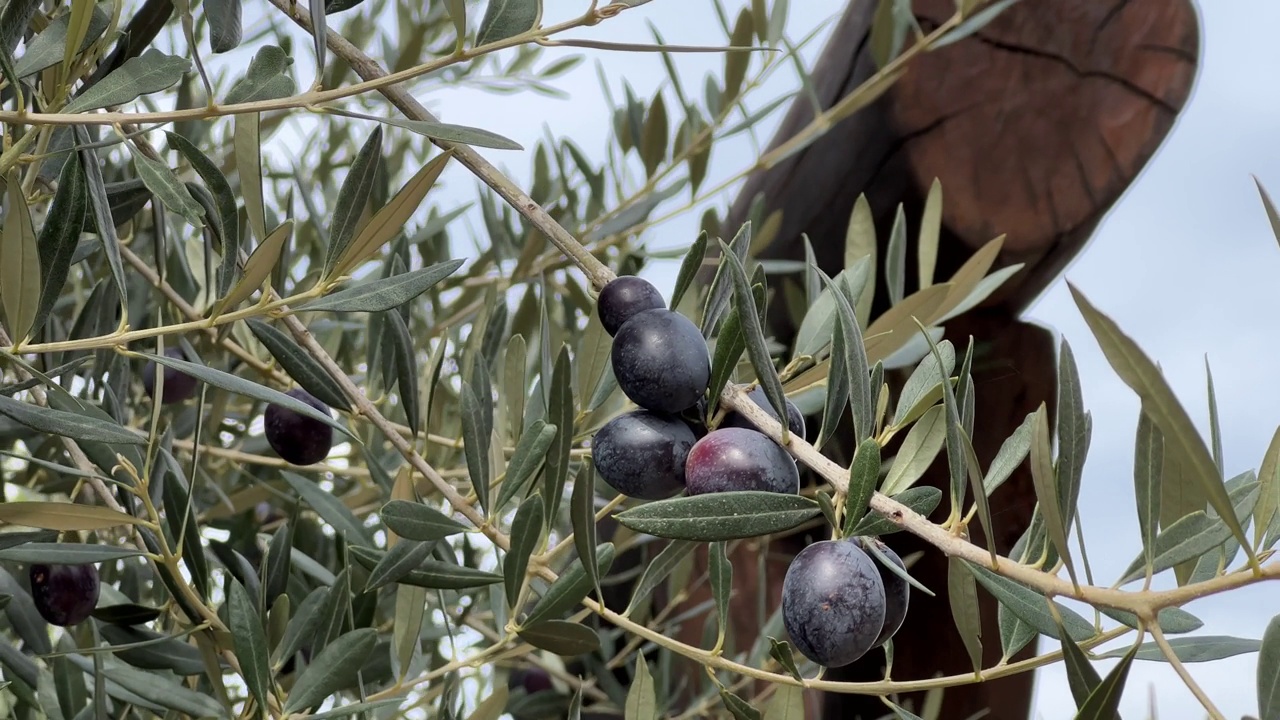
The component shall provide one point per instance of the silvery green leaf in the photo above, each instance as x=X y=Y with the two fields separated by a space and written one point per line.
x=266 y=79
x=225 y=27
x=152 y=71
x=385 y=293
x=506 y=18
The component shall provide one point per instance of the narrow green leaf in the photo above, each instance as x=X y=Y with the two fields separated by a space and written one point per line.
x=659 y=569
x=387 y=222
x=973 y=24
x=1148 y=464
x=730 y=343
x=1205 y=648
x=1030 y=605
x=300 y=366
x=1141 y=374
x=150 y=72
x=225 y=26
x=333 y=669
x=68 y=424
x=1192 y=536
x=59 y=237
x=1011 y=454
x=101 y=208
x=69 y=553
x=979 y=497
x=922 y=500
x=720 y=516
x=563 y=638
x=962 y=592
x=895 y=259
x=406 y=368
x=353 y=196
x=157 y=690
x=475 y=438
x=319 y=35
x=415 y=521
x=1074 y=433
x=46 y=49
x=526 y=460
x=1172 y=620
x=1103 y=702
x=403 y=557
x=526 y=536
x=1268 y=491
x=250 y=643
x=302 y=627
x=721 y=580
x=385 y=293
x=787 y=702
x=19 y=262
x=583 y=514
x=261 y=263
x=406 y=630
x=689 y=268
x=267 y=77
x=457 y=10
x=930 y=228
x=1043 y=476
x=248 y=388
x=735 y=63
x=167 y=188
x=248 y=154
x=642 y=702
x=1269 y=671
x=560 y=412
x=753 y=333
x=507 y=18
x=917 y=451
x=446 y=132
x=739 y=708
x=861 y=398
x=439 y=575
x=837 y=400
x=227 y=224
x=329 y=507
x=864 y=473
x=924 y=388
x=1082 y=678
x=569 y=589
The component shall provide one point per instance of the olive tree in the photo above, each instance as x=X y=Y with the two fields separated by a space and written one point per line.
x=281 y=440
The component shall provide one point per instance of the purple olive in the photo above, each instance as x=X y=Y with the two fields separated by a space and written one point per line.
x=622 y=298
x=297 y=438
x=64 y=595
x=661 y=362
x=833 y=603
x=732 y=459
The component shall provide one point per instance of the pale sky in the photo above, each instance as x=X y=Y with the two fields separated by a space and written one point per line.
x=1185 y=263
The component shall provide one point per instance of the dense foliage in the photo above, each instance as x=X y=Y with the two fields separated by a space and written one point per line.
x=280 y=439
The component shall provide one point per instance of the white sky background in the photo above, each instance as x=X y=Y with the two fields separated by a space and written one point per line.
x=1185 y=263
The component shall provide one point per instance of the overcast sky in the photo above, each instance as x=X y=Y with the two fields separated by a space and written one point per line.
x=1185 y=263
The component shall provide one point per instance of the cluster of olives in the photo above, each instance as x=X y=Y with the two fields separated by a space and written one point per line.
x=296 y=438
x=837 y=602
x=661 y=362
